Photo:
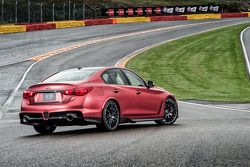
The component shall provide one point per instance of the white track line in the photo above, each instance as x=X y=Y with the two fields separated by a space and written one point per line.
x=216 y=107
x=12 y=95
x=9 y=100
x=244 y=50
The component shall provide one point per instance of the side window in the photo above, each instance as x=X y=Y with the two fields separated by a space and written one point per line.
x=106 y=78
x=114 y=76
x=134 y=79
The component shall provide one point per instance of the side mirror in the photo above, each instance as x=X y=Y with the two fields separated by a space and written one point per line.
x=151 y=84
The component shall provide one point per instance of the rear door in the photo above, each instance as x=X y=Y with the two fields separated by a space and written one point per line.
x=148 y=100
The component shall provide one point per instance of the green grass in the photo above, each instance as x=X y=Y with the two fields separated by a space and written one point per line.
x=209 y=66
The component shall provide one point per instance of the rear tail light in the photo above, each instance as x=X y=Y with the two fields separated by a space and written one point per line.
x=82 y=91
x=68 y=92
x=78 y=91
x=27 y=94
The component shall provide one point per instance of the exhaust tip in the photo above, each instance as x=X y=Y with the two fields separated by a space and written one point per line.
x=70 y=117
x=25 y=119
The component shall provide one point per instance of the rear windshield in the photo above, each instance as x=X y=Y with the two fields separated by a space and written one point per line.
x=71 y=75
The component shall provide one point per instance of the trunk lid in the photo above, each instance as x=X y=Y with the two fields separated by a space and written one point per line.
x=50 y=93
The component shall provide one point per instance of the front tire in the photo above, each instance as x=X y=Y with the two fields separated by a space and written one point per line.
x=44 y=129
x=170 y=112
x=110 y=117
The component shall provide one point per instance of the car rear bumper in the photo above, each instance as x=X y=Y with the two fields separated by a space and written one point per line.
x=62 y=118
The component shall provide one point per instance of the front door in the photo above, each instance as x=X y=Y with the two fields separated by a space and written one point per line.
x=148 y=100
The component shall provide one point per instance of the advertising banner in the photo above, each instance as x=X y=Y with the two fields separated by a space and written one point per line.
x=191 y=9
x=139 y=11
x=180 y=9
x=110 y=12
x=158 y=11
x=161 y=10
x=130 y=11
x=120 y=12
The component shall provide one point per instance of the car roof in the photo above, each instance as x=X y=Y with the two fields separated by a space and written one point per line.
x=94 y=68
x=85 y=68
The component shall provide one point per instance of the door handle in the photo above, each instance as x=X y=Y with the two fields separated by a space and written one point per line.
x=138 y=92
x=115 y=91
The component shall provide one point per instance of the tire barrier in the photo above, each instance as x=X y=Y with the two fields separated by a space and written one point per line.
x=167 y=18
x=12 y=29
x=232 y=15
x=132 y=19
x=68 y=24
x=203 y=16
x=40 y=26
x=98 y=22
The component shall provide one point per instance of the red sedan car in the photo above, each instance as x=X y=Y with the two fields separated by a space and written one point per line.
x=102 y=96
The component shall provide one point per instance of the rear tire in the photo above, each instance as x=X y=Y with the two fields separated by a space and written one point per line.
x=170 y=112
x=110 y=117
x=44 y=129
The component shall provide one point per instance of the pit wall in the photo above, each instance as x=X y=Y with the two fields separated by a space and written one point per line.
x=11 y=28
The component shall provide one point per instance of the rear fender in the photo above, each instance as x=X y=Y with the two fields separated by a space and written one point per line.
x=111 y=98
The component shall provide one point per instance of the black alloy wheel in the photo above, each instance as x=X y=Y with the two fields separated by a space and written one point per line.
x=110 y=117
x=170 y=112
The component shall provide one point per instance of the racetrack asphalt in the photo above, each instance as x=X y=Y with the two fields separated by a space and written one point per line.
x=202 y=136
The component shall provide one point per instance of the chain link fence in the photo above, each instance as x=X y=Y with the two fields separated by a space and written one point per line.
x=34 y=12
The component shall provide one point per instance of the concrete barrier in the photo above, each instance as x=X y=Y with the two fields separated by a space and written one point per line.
x=98 y=22
x=40 y=26
x=68 y=24
x=167 y=18
x=203 y=16
x=114 y=21
x=5 y=29
x=132 y=19
x=248 y=13
x=232 y=15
